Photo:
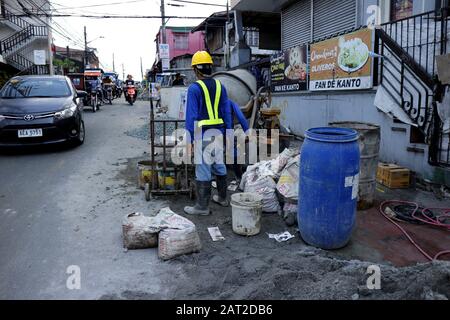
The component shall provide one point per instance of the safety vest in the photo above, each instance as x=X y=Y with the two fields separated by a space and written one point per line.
x=213 y=114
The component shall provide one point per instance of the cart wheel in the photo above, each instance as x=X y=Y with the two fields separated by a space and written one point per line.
x=148 y=194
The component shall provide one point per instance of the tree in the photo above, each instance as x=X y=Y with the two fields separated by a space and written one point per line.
x=65 y=65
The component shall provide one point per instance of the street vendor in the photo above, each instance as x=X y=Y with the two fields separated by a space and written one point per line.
x=207 y=108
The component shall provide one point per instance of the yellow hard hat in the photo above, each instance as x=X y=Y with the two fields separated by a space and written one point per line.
x=201 y=57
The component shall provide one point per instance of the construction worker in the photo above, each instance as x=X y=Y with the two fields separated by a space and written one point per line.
x=207 y=108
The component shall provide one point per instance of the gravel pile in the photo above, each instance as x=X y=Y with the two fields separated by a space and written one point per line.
x=143 y=132
x=170 y=127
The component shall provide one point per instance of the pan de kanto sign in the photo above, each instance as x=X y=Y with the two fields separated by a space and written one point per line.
x=342 y=63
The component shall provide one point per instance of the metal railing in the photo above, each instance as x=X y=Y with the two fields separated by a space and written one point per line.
x=14 y=19
x=17 y=39
x=422 y=36
x=408 y=72
x=19 y=61
x=405 y=81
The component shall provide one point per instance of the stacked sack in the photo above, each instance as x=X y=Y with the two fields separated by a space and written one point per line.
x=173 y=234
x=262 y=178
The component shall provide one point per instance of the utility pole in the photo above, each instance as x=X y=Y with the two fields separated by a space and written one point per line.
x=123 y=72
x=163 y=20
x=114 y=65
x=142 y=71
x=67 y=56
x=85 y=49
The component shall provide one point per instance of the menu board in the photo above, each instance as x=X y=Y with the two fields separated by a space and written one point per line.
x=342 y=63
x=289 y=70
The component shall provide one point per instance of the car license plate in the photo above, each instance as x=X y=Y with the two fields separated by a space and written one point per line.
x=30 y=133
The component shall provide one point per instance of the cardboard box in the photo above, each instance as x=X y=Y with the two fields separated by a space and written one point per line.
x=383 y=171
x=393 y=176
x=398 y=178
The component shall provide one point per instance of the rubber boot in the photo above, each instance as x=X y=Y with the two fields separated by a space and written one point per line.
x=201 y=208
x=222 y=186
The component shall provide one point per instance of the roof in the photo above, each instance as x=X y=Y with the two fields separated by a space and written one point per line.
x=64 y=49
x=217 y=19
x=180 y=29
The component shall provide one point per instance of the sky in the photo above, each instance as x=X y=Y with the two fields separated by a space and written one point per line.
x=128 y=39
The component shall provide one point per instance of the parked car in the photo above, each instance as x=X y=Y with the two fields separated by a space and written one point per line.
x=41 y=110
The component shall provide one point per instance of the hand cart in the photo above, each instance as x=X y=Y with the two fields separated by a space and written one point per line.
x=167 y=177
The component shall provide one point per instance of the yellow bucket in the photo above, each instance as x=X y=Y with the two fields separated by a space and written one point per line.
x=145 y=173
x=167 y=180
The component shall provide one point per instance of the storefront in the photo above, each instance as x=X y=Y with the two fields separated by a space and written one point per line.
x=319 y=78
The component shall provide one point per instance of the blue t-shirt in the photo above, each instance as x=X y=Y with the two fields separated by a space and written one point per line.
x=196 y=108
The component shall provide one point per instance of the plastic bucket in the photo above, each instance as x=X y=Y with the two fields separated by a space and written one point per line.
x=166 y=180
x=246 y=213
x=145 y=173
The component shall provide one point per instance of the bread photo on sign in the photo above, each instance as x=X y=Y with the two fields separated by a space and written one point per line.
x=296 y=70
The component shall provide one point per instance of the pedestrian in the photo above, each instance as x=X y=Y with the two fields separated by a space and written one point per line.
x=207 y=108
x=178 y=80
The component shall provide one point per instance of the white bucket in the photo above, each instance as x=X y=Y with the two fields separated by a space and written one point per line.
x=246 y=213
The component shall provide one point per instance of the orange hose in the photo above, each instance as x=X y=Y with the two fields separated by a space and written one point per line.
x=429 y=221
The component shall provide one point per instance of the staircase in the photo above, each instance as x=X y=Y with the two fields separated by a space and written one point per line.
x=11 y=48
x=407 y=73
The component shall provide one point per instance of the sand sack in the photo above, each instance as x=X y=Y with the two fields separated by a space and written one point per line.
x=139 y=232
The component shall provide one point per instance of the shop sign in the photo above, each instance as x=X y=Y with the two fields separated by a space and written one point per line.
x=342 y=63
x=289 y=70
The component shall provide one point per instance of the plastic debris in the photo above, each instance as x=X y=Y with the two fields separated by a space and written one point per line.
x=215 y=234
x=281 y=237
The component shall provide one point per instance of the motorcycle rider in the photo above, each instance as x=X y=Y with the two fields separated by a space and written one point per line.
x=107 y=81
x=94 y=84
x=129 y=82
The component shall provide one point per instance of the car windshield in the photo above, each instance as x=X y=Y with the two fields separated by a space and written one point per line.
x=33 y=88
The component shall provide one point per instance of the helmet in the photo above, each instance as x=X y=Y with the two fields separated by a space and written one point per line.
x=201 y=57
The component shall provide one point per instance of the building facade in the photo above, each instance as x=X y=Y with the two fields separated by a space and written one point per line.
x=25 y=36
x=401 y=97
x=181 y=42
x=77 y=58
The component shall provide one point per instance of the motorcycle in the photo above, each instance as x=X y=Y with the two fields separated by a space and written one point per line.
x=93 y=100
x=131 y=94
x=118 y=92
x=108 y=89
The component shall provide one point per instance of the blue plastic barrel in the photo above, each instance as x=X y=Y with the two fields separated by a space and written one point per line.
x=329 y=178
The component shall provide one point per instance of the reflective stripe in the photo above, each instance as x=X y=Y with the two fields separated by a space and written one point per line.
x=210 y=122
x=212 y=113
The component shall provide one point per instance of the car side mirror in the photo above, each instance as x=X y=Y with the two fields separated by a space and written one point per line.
x=81 y=94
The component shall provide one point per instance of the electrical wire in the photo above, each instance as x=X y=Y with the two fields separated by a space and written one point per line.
x=111 y=16
x=37 y=18
x=200 y=3
x=426 y=220
x=76 y=40
x=100 y=5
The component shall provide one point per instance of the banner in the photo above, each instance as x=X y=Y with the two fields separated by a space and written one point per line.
x=289 y=70
x=342 y=63
x=39 y=57
x=164 y=52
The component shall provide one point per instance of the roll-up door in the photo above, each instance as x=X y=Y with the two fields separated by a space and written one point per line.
x=333 y=16
x=296 y=24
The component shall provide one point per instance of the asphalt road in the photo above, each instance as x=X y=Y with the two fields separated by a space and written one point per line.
x=62 y=207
